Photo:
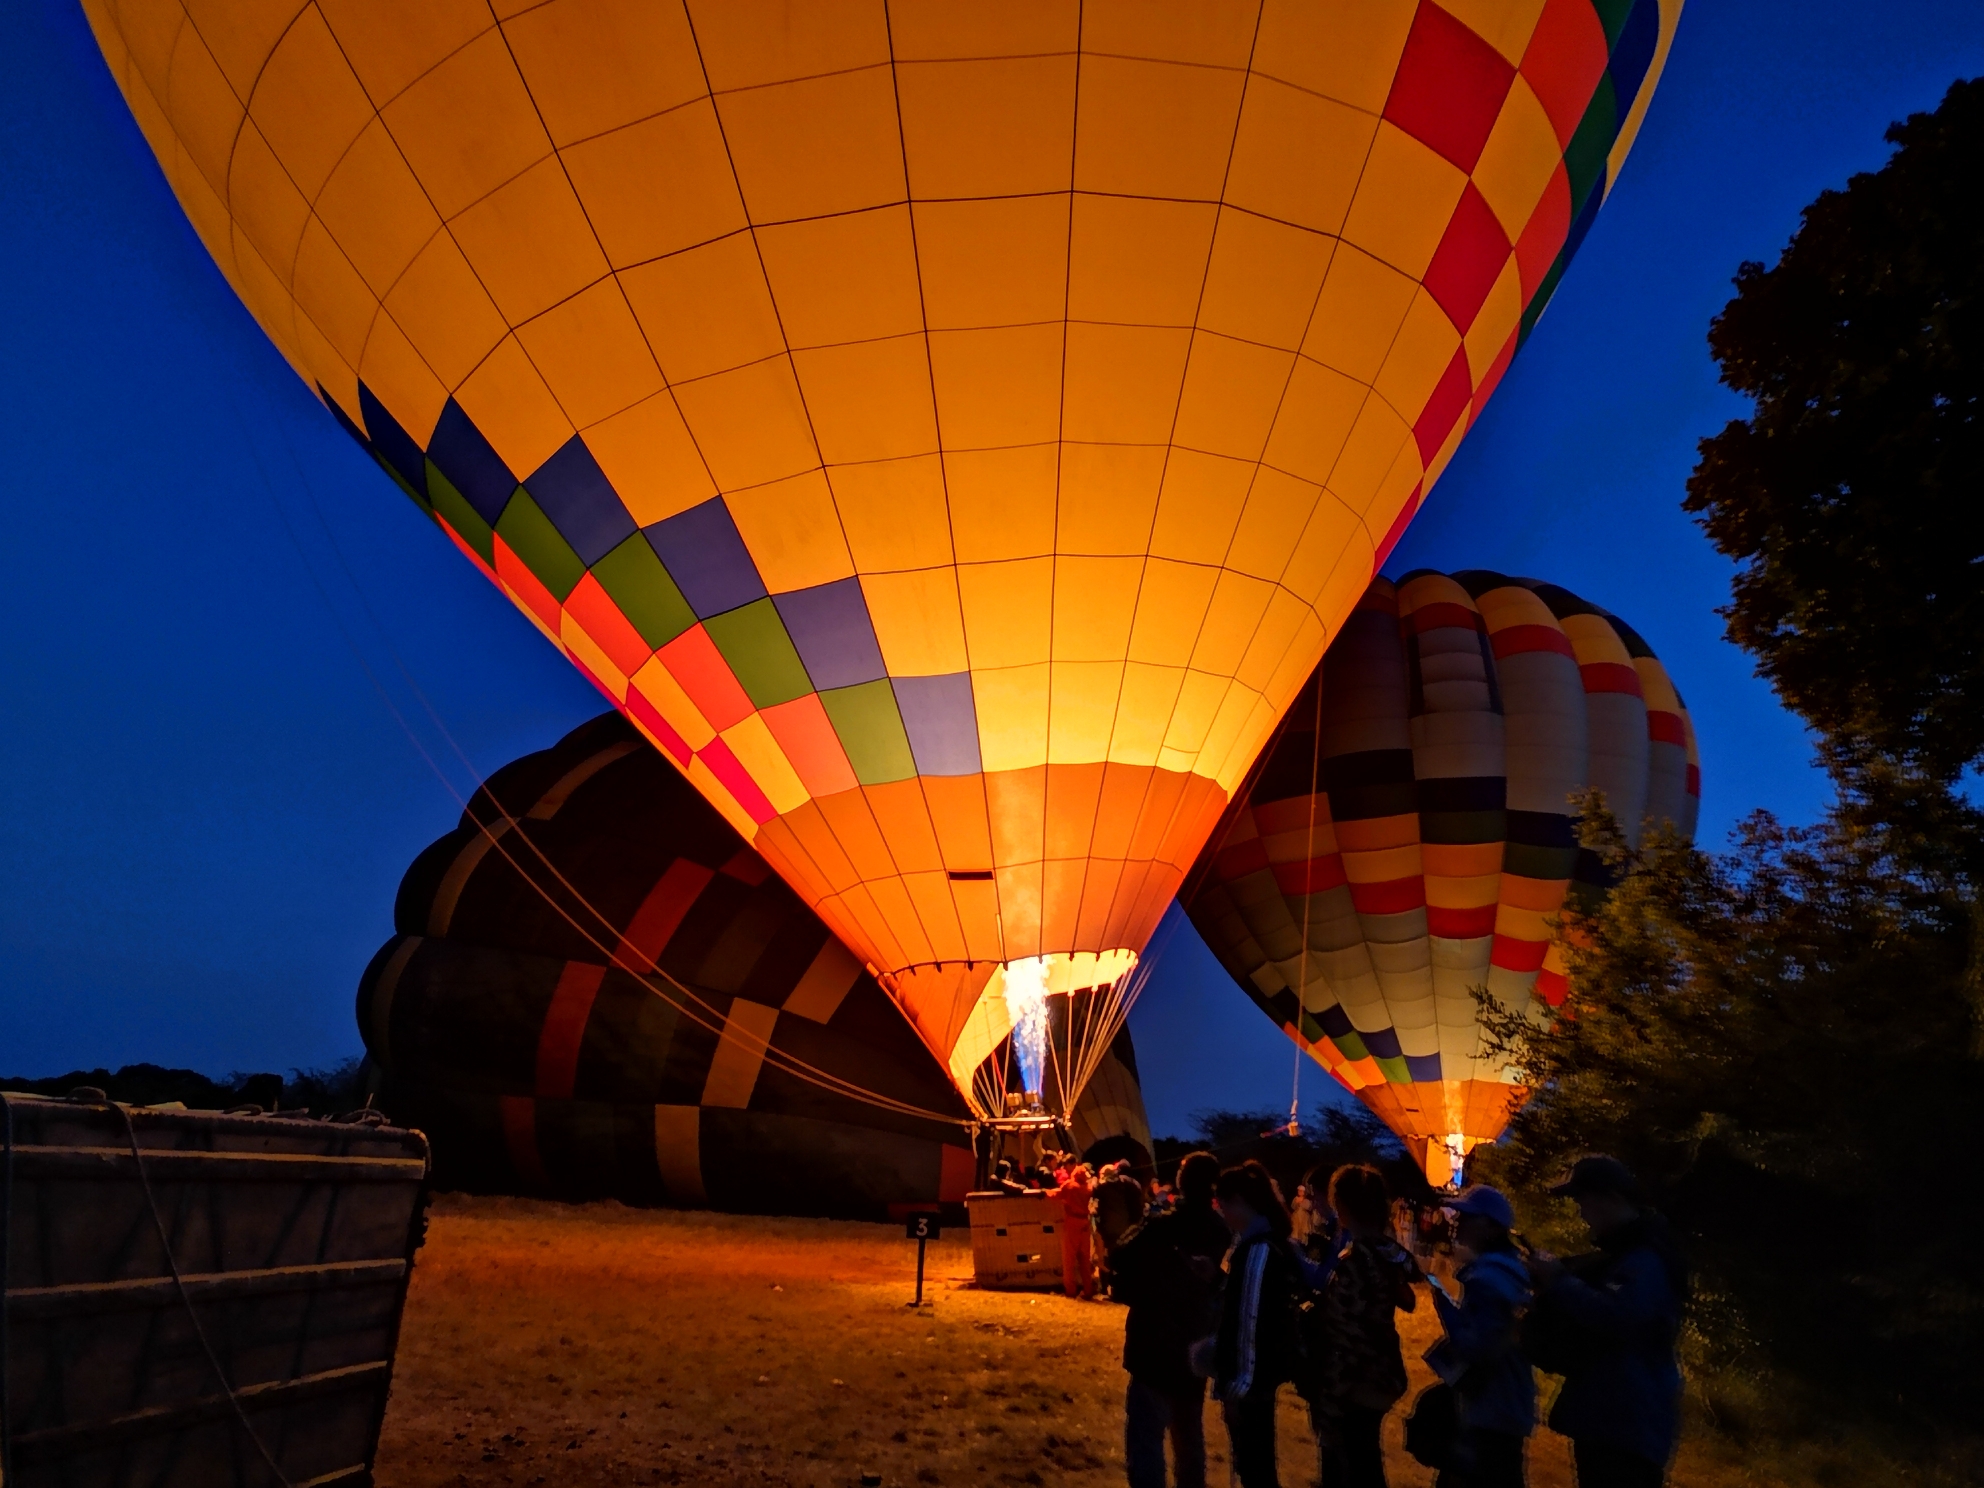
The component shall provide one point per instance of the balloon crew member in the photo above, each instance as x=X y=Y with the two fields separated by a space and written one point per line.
x=1168 y=1271
x=1361 y=1373
x=1481 y=1357
x=1609 y=1323
x=1077 y=1231
x=1258 y=1348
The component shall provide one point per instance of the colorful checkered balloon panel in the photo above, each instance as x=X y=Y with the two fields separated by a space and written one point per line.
x=1411 y=835
x=951 y=433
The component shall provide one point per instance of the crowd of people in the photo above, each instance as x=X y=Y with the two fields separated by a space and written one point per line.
x=1230 y=1287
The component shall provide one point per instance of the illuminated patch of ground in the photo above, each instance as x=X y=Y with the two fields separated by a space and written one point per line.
x=582 y=1345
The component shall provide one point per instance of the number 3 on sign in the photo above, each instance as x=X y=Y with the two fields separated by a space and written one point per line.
x=922 y=1228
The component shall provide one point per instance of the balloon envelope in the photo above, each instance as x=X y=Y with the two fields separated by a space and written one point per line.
x=1410 y=835
x=951 y=433
x=762 y=1070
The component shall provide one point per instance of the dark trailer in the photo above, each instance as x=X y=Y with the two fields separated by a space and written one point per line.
x=199 y=1300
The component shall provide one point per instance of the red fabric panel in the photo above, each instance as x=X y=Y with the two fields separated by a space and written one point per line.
x=1444 y=615
x=1565 y=57
x=728 y=768
x=1460 y=924
x=1390 y=540
x=1314 y=876
x=1241 y=859
x=1449 y=87
x=564 y=1030
x=539 y=600
x=1394 y=897
x=1468 y=260
x=649 y=717
x=1517 y=639
x=1449 y=402
x=1611 y=676
x=1544 y=237
x=519 y=1116
x=648 y=932
x=1664 y=728
x=1518 y=955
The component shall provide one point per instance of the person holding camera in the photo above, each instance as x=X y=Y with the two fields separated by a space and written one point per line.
x=1480 y=1358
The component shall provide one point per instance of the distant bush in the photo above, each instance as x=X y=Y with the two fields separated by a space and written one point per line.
x=328 y=1091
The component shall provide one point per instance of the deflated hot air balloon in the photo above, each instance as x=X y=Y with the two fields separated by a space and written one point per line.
x=598 y=990
x=1411 y=834
x=951 y=433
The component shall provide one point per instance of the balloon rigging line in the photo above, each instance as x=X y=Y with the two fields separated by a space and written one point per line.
x=710 y=1020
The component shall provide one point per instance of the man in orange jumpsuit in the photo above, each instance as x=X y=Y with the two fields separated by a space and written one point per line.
x=1077 y=1234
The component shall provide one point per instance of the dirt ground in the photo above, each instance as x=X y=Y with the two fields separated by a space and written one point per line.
x=594 y=1344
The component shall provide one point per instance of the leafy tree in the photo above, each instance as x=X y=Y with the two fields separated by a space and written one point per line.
x=1775 y=1040
x=1853 y=497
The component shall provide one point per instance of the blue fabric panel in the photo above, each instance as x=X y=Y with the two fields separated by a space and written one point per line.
x=459 y=452
x=388 y=440
x=574 y=492
x=829 y=625
x=1585 y=218
x=1423 y=1066
x=942 y=723
x=1383 y=1043
x=707 y=559
x=1632 y=55
x=1335 y=1021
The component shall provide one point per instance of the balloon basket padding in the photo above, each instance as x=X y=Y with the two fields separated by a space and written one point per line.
x=1027 y=1123
x=1015 y=1241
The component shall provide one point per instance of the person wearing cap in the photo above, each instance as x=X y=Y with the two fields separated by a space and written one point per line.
x=1609 y=1322
x=1481 y=1355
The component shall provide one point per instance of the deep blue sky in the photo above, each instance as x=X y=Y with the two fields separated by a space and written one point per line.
x=210 y=801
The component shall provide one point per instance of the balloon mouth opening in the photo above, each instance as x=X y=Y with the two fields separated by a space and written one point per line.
x=1040 y=1025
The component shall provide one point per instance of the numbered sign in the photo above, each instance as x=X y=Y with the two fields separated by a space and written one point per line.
x=924 y=1226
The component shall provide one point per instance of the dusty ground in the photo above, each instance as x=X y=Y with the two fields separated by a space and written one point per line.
x=564 y=1345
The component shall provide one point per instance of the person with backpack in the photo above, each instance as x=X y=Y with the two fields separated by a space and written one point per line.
x=1168 y=1271
x=1258 y=1348
x=1480 y=1358
x=1362 y=1368
x=1609 y=1323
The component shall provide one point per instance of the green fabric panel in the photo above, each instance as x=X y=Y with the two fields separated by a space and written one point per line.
x=1584 y=157
x=400 y=481
x=465 y=519
x=870 y=731
x=1396 y=1071
x=1525 y=861
x=529 y=532
x=753 y=640
x=647 y=596
x=1542 y=298
x=1350 y=1046
x=1463 y=826
x=1612 y=16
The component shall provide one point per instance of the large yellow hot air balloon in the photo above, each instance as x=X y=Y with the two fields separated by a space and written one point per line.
x=950 y=432
x=1410 y=837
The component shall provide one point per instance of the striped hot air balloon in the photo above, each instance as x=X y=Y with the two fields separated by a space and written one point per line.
x=1410 y=835
x=950 y=432
x=597 y=989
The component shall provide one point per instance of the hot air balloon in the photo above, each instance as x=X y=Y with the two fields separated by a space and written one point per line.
x=950 y=433
x=1410 y=836
x=597 y=990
